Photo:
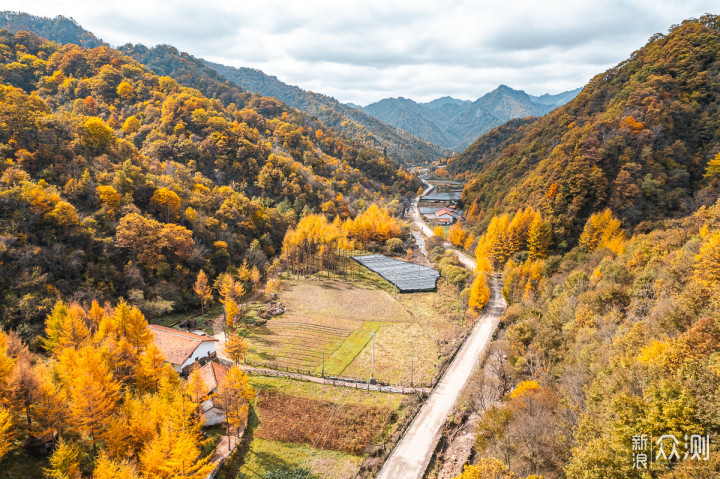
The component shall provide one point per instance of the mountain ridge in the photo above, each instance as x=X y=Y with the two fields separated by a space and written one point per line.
x=455 y=124
x=399 y=145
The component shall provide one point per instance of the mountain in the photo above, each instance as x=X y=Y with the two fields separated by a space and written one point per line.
x=454 y=123
x=556 y=100
x=637 y=139
x=59 y=29
x=400 y=145
x=122 y=183
x=198 y=73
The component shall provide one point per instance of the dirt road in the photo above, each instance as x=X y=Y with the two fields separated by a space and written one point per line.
x=410 y=458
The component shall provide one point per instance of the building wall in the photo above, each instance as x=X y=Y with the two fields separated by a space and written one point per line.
x=205 y=348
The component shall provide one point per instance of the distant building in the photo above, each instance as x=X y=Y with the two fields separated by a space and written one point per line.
x=449 y=197
x=180 y=347
x=448 y=215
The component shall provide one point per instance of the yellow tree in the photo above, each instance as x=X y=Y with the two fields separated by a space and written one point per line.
x=713 y=166
x=23 y=387
x=53 y=326
x=236 y=347
x=6 y=432
x=487 y=468
x=479 y=292
x=110 y=199
x=538 y=238
x=707 y=262
x=202 y=289
x=457 y=234
x=74 y=332
x=439 y=232
x=92 y=391
x=602 y=230
x=106 y=468
x=173 y=453
x=150 y=370
x=166 y=201
x=235 y=394
x=196 y=389
x=65 y=461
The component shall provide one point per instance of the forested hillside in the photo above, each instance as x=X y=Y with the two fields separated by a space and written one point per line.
x=117 y=182
x=210 y=77
x=609 y=348
x=637 y=139
x=399 y=145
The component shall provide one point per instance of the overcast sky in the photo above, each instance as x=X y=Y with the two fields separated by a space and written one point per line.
x=364 y=50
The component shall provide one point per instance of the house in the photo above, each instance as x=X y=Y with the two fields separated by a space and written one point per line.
x=448 y=216
x=213 y=375
x=180 y=347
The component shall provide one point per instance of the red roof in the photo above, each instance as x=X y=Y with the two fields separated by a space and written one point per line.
x=177 y=345
x=213 y=375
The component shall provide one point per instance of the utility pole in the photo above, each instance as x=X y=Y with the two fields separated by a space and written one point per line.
x=372 y=357
x=411 y=371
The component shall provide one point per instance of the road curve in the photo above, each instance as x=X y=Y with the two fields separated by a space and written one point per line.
x=411 y=456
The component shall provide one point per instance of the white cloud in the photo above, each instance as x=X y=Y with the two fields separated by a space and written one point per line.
x=365 y=50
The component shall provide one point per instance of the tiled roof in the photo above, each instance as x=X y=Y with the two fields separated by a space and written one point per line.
x=175 y=344
x=213 y=375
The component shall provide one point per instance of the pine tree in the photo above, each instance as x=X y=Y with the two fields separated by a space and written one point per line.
x=202 y=289
x=53 y=326
x=196 y=389
x=74 y=332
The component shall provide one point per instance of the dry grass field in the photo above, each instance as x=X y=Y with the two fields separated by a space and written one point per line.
x=336 y=317
x=324 y=429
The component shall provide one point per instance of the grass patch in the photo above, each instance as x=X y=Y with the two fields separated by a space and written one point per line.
x=265 y=456
x=322 y=392
x=343 y=356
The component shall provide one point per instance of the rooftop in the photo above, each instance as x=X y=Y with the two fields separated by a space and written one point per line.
x=408 y=277
x=213 y=375
x=175 y=344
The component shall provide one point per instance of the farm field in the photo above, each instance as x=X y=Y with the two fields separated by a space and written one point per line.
x=324 y=429
x=336 y=317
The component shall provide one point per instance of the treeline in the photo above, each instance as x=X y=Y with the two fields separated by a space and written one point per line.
x=118 y=180
x=313 y=245
x=108 y=399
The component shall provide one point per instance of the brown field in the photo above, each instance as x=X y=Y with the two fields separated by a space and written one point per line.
x=336 y=425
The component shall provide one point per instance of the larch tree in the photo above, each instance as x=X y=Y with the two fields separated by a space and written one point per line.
x=106 y=468
x=602 y=230
x=203 y=290
x=235 y=394
x=23 y=388
x=707 y=262
x=457 y=234
x=439 y=232
x=538 y=238
x=6 y=432
x=236 y=347
x=65 y=461
x=196 y=389
x=150 y=369
x=479 y=292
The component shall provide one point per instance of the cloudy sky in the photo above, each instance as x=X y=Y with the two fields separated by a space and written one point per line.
x=363 y=50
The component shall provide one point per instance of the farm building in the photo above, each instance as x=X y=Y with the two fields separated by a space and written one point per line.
x=213 y=375
x=180 y=347
x=448 y=215
x=444 y=198
x=407 y=277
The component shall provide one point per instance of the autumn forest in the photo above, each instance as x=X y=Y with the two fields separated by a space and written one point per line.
x=140 y=187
